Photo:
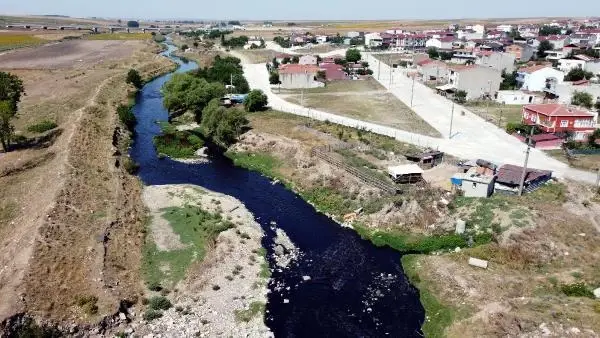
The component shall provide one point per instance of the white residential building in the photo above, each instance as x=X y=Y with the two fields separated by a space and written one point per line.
x=504 y=28
x=566 y=65
x=539 y=78
x=518 y=97
x=496 y=60
x=440 y=43
x=468 y=35
x=477 y=81
x=477 y=28
x=373 y=40
x=352 y=34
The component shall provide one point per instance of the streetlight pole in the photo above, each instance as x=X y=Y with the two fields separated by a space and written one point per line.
x=412 y=92
x=524 y=174
x=451 y=120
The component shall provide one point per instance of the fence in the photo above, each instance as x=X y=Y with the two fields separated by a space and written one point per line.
x=321 y=153
x=574 y=152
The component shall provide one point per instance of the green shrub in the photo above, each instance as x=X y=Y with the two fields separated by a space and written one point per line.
x=130 y=166
x=255 y=309
x=126 y=116
x=42 y=126
x=88 y=304
x=159 y=303
x=576 y=290
x=178 y=144
x=134 y=78
x=151 y=314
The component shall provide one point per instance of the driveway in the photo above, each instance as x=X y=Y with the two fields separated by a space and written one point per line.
x=472 y=136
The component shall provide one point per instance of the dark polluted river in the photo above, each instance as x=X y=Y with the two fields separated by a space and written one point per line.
x=355 y=290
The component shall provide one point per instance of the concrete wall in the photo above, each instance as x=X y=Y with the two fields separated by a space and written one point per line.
x=512 y=97
x=299 y=80
x=478 y=81
x=431 y=70
x=593 y=67
x=498 y=61
x=565 y=65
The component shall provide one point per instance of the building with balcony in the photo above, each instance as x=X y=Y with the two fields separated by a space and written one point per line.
x=539 y=78
x=557 y=118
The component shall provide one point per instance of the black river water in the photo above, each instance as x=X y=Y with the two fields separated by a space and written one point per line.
x=355 y=290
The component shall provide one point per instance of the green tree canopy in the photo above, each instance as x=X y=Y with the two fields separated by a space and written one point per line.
x=222 y=125
x=226 y=70
x=577 y=74
x=353 y=55
x=11 y=90
x=186 y=92
x=582 y=99
x=433 y=53
x=509 y=80
x=460 y=96
x=543 y=47
x=133 y=24
x=134 y=78
x=256 y=101
x=274 y=78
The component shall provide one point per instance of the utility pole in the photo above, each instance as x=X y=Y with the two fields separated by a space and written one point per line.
x=451 y=120
x=500 y=119
x=378 y=68
x=598 y=178
x=524 y=174
x=390 y=65
x=412 y=92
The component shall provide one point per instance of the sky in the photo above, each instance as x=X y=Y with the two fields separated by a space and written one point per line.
x=303 y=9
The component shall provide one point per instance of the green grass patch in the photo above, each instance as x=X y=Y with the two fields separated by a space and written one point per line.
x=42 y=126
x=482 y=212
x=159 y=303
x=577 y=290
x=256 y=309
x=329 y=201
x=178 y=144
x=414 y=243
x=438 y=316
x=88 y=304
x=196 y=229
x=260 y=162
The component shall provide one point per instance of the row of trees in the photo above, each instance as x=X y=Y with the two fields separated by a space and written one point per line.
x=234 y=42
x=584 y=99
x=225 y=70
x=441 y=55
x=283 y=42
x=11 y=90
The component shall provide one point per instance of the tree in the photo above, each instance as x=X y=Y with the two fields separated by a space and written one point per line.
x=186 y=92
x=365 y=64
x=597 y=105
x=322 y=75
x=274 y=78
x=353 y=55
x=195 y=44
x=222 y=125
x=433 y=53
x=134 y=78
x=582 y=99
x=446 y=55
x=275 y=63
x=549 y=30
x=543 y=47
x=577 y=74
x=286 y=60
x=11 y=90
x=509 y=80
x=133 y=24
x=594 y=138
x=184 y=47
x=460 y=96
x=514 y=34
x=295 y=59
x=256 y=101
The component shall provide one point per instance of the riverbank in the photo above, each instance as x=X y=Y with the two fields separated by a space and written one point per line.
x=523 y=239
x=218 y=286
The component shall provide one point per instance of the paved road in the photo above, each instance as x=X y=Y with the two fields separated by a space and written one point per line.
x=472 y=136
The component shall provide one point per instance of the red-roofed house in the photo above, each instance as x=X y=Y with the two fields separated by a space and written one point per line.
x=299 y=76
x=557 y=118
x=333 y=72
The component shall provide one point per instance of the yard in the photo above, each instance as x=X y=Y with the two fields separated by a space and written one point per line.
x=257 y=55
x=586 y=162
x=362 y=99
x=496 y=113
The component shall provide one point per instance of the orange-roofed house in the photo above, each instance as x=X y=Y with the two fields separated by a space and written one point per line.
x=539 y=78
x=294 y=76
x=558 y=118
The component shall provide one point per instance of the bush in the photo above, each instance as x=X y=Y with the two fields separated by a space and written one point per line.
x=88 y=304
x=131 y=166
x=152 y=314
x=42 y=126
x=126 y=116
x=576 y=290
x=134 y=78
x=159 y=303
x=582 y=99
x=256 y=101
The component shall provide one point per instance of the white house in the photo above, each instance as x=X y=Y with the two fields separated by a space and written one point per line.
x=473 y=184
x=308 y=60
x=539 y=78
x=518 y=97
x=352 y=34
x=440 y=43
x=477 y=28
x=504 y=28
x=468 y=34
x=475 y=80
x=496 y=60
x=373 y=40
x=299 y=76
x=256 y=43
x=566 y=65
x=321 y=38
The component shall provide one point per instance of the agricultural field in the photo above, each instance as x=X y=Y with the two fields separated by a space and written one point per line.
x=119 y=36
x=13 y=41
x=362 y=99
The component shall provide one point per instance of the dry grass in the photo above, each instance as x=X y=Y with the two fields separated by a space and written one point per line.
x=365 y=100
x=119 y=36
x=258 y=55
x=317 y=49
x=79 y=185
x=586 y=162
x=497 y=113
x=12 y=41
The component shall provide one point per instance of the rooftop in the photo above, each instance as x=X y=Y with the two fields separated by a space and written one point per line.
x=405 y=169
x=554 y=109
x=511 y=174
x=297 y=69
x=532 y=69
